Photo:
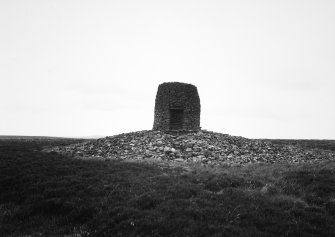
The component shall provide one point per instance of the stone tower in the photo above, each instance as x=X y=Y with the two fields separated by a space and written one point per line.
x=177 y=107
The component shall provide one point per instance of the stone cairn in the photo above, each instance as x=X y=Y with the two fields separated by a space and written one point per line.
x=177 y=107
x=204 y=147
x=176 y=137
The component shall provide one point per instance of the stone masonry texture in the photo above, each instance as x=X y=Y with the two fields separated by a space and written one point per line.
x=177 y=107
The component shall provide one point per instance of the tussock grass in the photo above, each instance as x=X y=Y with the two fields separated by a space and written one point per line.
x=45 y=194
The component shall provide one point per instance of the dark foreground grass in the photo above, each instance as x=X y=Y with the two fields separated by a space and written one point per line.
x=53 y=195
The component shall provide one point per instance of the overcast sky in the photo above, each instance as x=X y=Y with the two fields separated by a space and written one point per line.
x=263 y=69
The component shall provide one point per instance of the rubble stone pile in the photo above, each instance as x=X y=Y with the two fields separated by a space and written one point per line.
x=202 y=146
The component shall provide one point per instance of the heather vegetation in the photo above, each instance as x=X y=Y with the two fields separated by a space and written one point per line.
x=52 y=194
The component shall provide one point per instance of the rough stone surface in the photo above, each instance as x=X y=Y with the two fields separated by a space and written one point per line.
x=208 y=148
x=177 y=98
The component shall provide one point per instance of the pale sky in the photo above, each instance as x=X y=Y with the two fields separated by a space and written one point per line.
x=263 y=69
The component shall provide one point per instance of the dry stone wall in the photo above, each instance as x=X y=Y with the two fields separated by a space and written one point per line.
x=177 y=107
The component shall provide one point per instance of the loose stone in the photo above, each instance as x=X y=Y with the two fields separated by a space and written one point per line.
x=205 y=147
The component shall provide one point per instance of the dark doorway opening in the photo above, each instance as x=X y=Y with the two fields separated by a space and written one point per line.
x=176 y=118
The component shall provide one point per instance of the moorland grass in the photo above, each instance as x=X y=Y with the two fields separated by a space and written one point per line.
x=48 y=194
